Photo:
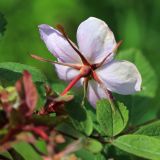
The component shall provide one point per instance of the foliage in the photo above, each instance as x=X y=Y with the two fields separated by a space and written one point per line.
x=111 y=122
x=11 y=72
x=141 y=102
x=3 y=23
x=134 y=22
x=74 y=130
x=37 y=122
x=140 y=145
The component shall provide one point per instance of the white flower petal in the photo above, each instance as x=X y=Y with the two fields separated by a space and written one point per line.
x=58 y=45
x=121 y=77
x=95 y=92
x=95 y=39
x=66 y=73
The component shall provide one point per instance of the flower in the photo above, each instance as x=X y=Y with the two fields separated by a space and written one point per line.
x=92 y=64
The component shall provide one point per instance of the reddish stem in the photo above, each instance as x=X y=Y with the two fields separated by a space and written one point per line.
x=97 y=65
x=77 y=67
x=96 y=78
x=71 y=84
x=84 y=60
x=39 y=131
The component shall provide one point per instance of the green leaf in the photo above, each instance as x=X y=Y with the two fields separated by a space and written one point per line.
x=92 y=145
x=68 y=129
x=118 y=154
x=99 y=157
x=26 y=151
x=111 y=122
x=139 y=145
x=10 y=72
x=152 y=129
x=140 y=103
x=85 y=154
x=92 y=113
x=58 y=87
x=3 y=23
x=80 y=118
x=41 y=145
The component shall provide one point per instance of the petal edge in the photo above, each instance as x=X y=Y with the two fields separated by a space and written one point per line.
x=95 y=39
x=121 y=77
x=57 y=44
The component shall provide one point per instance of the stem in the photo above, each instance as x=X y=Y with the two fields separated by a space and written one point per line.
x=71 y=84
x=101 y=139
x=77 y=67
x=95 y=66
x=39 y=131
x=84 y=60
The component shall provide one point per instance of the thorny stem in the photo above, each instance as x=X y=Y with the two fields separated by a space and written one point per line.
x=71 y=84
x=84 y=60
x=77 y=67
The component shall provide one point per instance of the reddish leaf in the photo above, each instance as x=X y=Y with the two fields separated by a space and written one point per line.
x=31 y=95
x=4 y=101
x=55 y=103
x=19 y=88
x=28 y=94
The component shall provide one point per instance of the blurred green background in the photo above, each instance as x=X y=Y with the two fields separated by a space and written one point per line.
x=136 y=22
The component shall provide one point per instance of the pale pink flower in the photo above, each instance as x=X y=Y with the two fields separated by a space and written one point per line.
x=91 y=63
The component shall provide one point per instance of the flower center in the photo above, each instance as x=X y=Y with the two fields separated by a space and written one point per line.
x=85 y=70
